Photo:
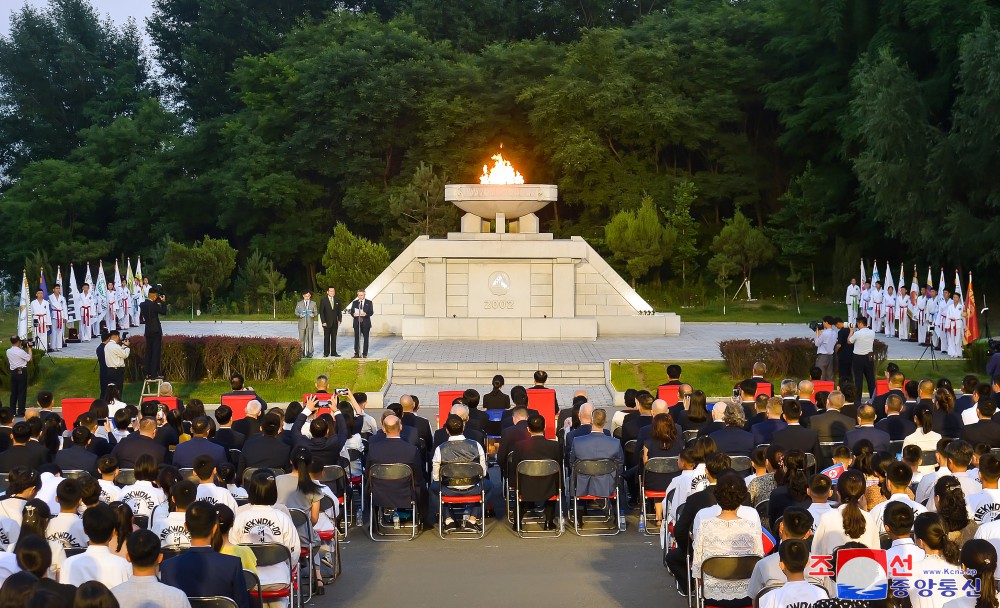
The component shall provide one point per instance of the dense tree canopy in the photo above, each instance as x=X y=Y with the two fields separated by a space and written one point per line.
x=823 y=129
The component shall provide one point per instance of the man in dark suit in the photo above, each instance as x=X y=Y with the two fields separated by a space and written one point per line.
x=985 y=431
x=844 y=352
x=795 y=436
x=128 y=450
x=99 y=446
x=362 y=312
x=441 y=435
x=832 y=425
x=896 y=380
x=630 y=430
x=518 y=398
x=760 y=409
x=763 y=432
x=898 y=426
x=511 y=435
x=225 y=435
x=966 y=400
x=536 y=489
x=77 y=456
x=677 y=557
x=395 y=450
x=866 y=430
x=327 y=437
x=330 y=315
x=198 y=445
x=249 y=424
x=150 y=311
x=478 y=419
x=806 y=390
x=748 y=398
x=103 y=374
x=188 y=571
x=733 y=438
x=596 y=446
x=673 y=375
x=265 y=449
x=757 y=377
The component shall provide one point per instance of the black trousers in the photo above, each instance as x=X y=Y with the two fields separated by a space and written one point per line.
x=154 y=350
x=116 y=376
x=863 y=368
x=359 y=331
x=330 y=340
x=18 y=390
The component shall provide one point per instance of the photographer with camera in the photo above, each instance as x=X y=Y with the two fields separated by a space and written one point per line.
x=863 y=363
x=18 y=358
x=150 y=311
x=116 y=351
x=826 y=345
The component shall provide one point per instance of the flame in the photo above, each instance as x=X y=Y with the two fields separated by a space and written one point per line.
x=502 y=172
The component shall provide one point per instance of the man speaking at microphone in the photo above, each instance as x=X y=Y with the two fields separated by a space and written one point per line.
x=361 y=311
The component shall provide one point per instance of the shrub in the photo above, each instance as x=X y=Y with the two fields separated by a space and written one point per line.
x=789 y=358
x=36 y=357
x=190 y=358
x=975 y=352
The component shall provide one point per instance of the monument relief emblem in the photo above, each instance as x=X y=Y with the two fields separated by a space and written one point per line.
x=499 y=283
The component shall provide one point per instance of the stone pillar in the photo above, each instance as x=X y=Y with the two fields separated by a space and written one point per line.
x=528 y=224
x=564 y=288
x=501 y=223
x=436 y=286
x=472 y=223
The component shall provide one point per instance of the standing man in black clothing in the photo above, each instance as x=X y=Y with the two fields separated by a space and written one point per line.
x=844 y=351
x=102 y=363
x=330 y=315
x=362 y=311
x=150 y=310
x=18 y=359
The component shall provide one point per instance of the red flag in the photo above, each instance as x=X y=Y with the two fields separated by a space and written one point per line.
x=972 y=318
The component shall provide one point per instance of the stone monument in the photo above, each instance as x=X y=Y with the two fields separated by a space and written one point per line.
x=499 y=278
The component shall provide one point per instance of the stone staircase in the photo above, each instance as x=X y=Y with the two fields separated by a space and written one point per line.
x=481 y=374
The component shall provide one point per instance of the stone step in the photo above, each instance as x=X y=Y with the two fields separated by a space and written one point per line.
x=481 y=374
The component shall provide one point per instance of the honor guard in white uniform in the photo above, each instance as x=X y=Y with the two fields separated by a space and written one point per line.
x=86 y=306
x=40 y=319
x=57 y=308
x=853 y=301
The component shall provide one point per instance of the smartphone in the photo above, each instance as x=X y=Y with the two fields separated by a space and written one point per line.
x=340 y=391
x=736 y=394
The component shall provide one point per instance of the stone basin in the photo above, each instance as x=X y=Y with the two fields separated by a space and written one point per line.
x=512 y=200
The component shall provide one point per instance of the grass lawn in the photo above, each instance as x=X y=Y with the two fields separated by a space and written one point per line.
x=713 y=376
x=78 y=378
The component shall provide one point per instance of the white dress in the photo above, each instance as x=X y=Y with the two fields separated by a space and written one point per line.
x=936 y=583
x=725 y=538
x=830 y=532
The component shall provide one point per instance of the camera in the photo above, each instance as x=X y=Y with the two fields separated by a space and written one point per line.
x=340 y=392
x=124 y=336
x=815 y=325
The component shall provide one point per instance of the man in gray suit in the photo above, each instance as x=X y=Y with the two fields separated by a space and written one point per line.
x=596 y=446
x=306 y=311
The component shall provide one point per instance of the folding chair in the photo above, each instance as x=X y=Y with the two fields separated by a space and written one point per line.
x=538 y=469
x=689 y=436
x=271 y=554
x=189 y=474
x=125 y=477
x=597 y=468
x=656 y=466
x=327 y=536
x=461 y=473
x=896 y=447
x=301 y=519
x=141 y=520
x=508 y=492
x=631 y=451
x=741 y=464
x=75 y=474
x=71 y=551
x=167 y=552
x=826 y=449
x=335 y=477
x=356 y=483
x=811 y=462
x=929 y=458
x=252 y=582
x=764 y=511
x=762 y=593
x=493 y=430
x=234 y=456
x=215 y=601
x=728 y=568
x=381 y=479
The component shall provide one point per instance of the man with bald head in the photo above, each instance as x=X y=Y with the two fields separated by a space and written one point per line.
x=392 y=450
x=462 y=411
x=420 y=423
x=511 y=435
x=677 y=408
x=586 y=417
x=579 y=398
x=805 y=396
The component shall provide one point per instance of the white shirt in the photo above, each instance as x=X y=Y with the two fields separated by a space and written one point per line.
x=826 y=341
x=436 y=469
x=818 y=510
x=928 y=573
x=830 y=532
x=969 y=487
x=17 y=357
x=67 y=529
x=115 y=354
x=97 y=563
x=990 y=532
x=266 y=524
x=236 y=492
x=970 y=415
x=213 y=494
x=8 y=565
x=863 y=341
x=48 y=491
x=142 y=497
x=985 y=505
x=40 y=312
x=853 y=294
x=171 y=531
x=878 y=511
x=684 y=485
x=109 y=491
x=793 y=593
x=902 y=548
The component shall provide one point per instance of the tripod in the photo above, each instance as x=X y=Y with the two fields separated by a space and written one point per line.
x=929 y=347
x=35 y=343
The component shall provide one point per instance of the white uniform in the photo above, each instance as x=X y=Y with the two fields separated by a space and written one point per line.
x=931 y=313
x=940 y=322
x=878 y=310
x=57 y=306
x=122 y=310
x=955 y=329
x=891 y=306
x=866 y=302
x=853 y=300
x=40 y=313
x=922 y=321
x=85 y=302
x=112 y=312
x=902 y=319
x=136 y=298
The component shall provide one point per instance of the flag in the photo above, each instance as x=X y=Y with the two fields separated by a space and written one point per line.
x=118 y=276
x=875 y=276
x=59 y=280
x=72 y=297
x=100 y=292
x=958 y=285
x=941 y=285
x=129 y=277
x=972 y=320
x=864 y=277
x=138 y=270
x=834 y=472
x=913 y=283
x=42 y=285
x=22 y=313
x=888 y=279
x=902 y=276
x=929 y=285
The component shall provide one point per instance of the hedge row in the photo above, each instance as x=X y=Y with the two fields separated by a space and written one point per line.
x=189 y=358
x=790 y=358
x=5 y=367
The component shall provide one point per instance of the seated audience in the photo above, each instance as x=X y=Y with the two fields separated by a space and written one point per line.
x=261 y=522
x=170 y=529
x=34 y=555
x=738 y=441
x=129 y=449
x=204 y=470
x=143 y=590
x=199 y=445
x=142 y=496
x=97 y=563
x=264 y=449
x=793 y=555
x=848 y=521
x=938 y=568
x=67 y=527
x=459 y=449
x=24 y=452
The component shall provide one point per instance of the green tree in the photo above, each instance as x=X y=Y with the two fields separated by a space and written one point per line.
x=250 y=276
x=351 y=262
x=62 y=70
x=742 y=246
x=638 y=239
x=273 y=285
x=419 y=207
x=200 y=271
x=684 y=257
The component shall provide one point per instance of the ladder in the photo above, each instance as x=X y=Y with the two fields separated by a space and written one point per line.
x=151 y=387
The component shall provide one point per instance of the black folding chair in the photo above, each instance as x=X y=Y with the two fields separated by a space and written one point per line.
x=382 y=479
x=727 y=568
x=125 y=477
x=75 y=474
x=272 y=554
x=741 y=464
x=597 y=468
x=664 y=465
x=538 y=469
x=335 y=477
x=215 y=601
x=461 y=474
